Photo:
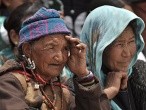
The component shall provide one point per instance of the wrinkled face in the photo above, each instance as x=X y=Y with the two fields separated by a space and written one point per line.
x=118 y=55
x=50 y=55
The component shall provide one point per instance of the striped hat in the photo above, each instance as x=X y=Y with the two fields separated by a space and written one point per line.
x=43 y=22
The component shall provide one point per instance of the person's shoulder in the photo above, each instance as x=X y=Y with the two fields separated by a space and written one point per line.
x=138 y=83
x=138 y=77
x=6 y=76
x=7 y=70
x=10 y=64
x=139 y=69
x=140 y=65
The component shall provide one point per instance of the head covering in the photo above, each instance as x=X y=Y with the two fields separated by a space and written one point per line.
x=43 y=22
x=101 y=27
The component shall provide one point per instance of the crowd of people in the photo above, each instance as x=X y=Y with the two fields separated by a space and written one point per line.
x=56 y=55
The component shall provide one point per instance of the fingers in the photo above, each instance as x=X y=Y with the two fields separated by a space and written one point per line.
x=124 y=81
x=117 y=80
x=114 y=82
x=81 y=47
x=75 y=42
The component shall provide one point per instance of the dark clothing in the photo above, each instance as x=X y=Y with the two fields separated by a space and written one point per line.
x=125 y=100
x=138 y=84
x=14 y=96
x=134 y=98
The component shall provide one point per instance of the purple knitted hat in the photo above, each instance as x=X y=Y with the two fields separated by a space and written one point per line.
x=43 y=22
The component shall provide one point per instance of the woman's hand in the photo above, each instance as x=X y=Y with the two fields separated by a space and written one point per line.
x=114 y=82
x=77 y=58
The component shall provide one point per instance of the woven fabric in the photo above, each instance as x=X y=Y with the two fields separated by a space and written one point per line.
x=43 y=22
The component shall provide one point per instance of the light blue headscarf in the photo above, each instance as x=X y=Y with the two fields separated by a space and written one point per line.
x=102 y=26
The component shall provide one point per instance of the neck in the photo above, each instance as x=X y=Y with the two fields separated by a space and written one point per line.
x=105 y=69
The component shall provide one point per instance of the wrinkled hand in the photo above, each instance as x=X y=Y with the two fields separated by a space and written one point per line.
x=114 y=82
x=77 y=58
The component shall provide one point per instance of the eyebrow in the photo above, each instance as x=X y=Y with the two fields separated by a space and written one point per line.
x=50 y=42
x=121 y=40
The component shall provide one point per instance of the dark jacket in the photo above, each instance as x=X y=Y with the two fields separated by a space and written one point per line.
x=13 y=94
x=134 y=97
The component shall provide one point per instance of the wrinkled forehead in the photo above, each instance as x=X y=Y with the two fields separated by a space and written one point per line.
x=55 y=39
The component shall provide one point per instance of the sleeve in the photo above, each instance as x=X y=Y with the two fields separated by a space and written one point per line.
x=138 y=84
x=12 y=96
x=90 y=98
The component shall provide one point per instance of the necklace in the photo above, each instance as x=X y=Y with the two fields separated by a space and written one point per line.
x=40 y=81
x=49 y=103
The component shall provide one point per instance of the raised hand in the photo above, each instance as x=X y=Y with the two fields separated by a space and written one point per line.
x=114 y=82
x=77 y=58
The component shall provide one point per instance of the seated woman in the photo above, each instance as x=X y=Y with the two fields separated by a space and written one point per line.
x=113 y=37
x=33 y=82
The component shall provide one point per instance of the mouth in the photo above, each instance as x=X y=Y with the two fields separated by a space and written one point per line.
x=56 y=65
x=125 y=64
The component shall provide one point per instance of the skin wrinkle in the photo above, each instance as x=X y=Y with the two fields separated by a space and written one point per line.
x=124 y=48
x=56 y=51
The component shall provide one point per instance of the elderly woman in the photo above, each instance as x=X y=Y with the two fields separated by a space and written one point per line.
x=33 y=82
x=113 y=37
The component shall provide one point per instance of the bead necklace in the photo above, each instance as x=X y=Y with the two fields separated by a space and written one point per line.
x=40 y=81
x=51 y=104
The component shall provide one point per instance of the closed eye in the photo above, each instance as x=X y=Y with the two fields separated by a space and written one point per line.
x=119 y=45
x=132 y=41
x=48 y=47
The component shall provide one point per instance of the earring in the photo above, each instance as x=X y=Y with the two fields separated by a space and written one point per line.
x=30 y=64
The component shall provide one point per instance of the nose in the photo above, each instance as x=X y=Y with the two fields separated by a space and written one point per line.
x=59 y=57
x=126 y=52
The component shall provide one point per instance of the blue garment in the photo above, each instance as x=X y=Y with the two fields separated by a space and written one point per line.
x=101 y=27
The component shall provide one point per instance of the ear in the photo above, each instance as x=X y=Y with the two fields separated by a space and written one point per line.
x=14 y=37
x=26 y=48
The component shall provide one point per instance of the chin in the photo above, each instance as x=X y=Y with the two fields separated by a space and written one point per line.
x=124 y=69
x=55 y=73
